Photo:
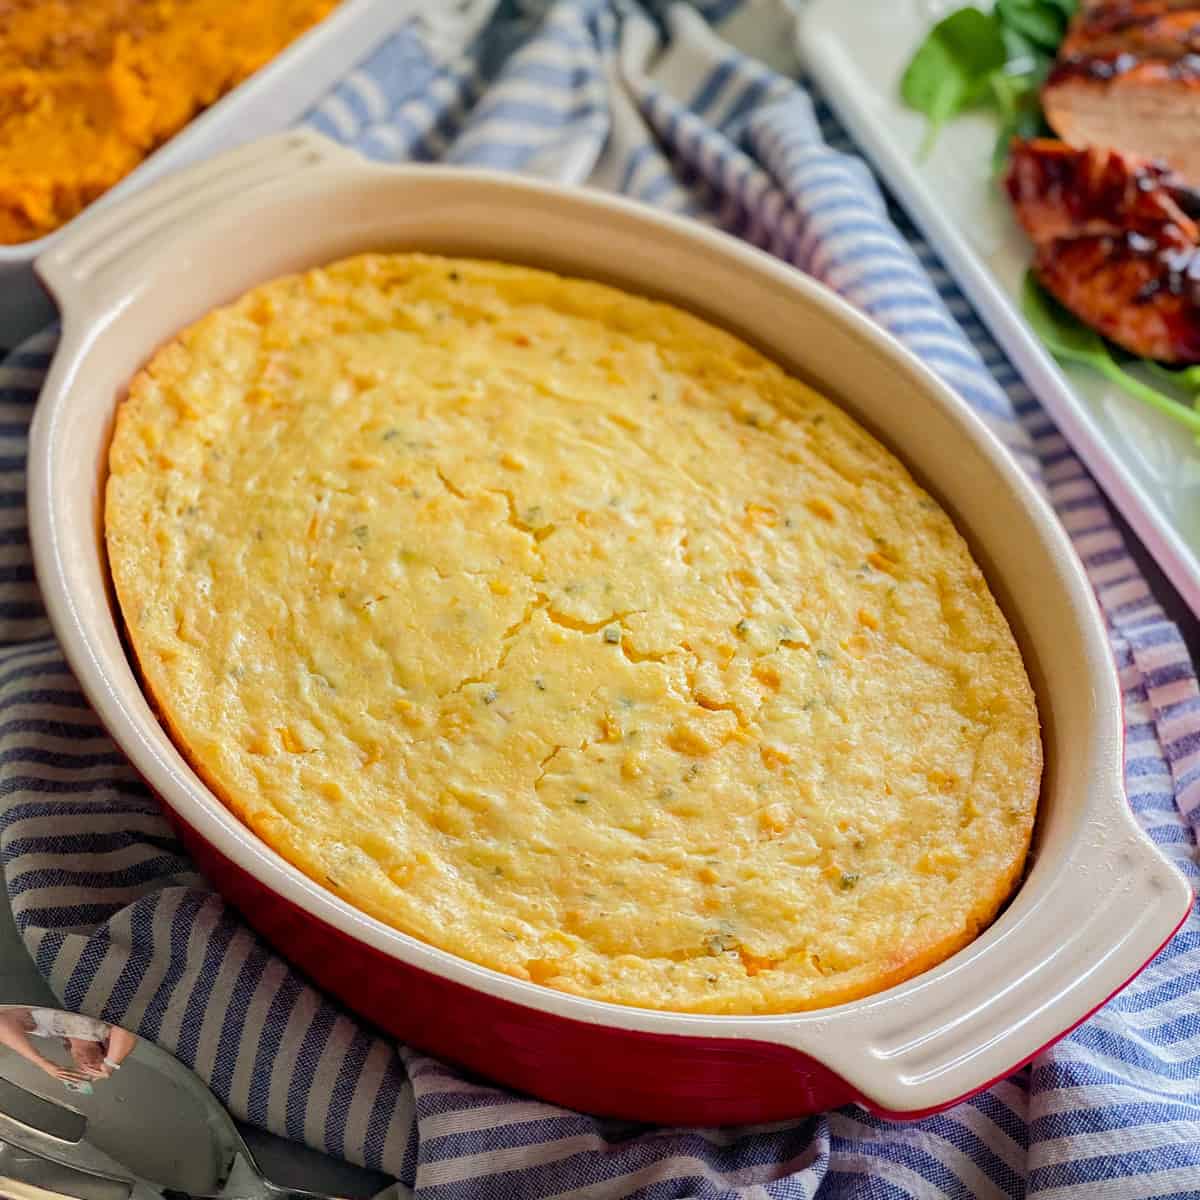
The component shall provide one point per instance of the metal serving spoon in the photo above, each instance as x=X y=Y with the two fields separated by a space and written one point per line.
x=89 y=1111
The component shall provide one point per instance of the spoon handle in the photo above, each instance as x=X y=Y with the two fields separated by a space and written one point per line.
x=44 y=1149
x=25 y=1173
x=272 y=1191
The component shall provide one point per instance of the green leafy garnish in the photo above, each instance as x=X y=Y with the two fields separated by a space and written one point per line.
x=1187 y=379
x=1042 y=22
x=951 y=68
x=999 y=60
x=1018 y=98
x=1070 y=340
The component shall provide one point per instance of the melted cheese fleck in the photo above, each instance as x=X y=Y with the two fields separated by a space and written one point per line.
x=567 y=633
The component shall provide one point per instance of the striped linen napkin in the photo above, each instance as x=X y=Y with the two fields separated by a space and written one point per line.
x=653 y=101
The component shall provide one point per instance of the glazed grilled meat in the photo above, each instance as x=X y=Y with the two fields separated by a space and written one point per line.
x=1142 y=28
x=1128 y=76
x=1116 y=243
x=1059 y=191
x=1123 y=291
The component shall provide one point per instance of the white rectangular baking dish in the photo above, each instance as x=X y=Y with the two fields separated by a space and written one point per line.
x=270 y=100
x=1147 y=464
x=1099 y=898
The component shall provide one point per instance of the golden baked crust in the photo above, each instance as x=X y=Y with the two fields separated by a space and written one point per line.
x=568 y=633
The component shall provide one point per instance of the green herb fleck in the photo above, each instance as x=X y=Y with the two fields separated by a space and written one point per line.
x=581 y=800
x=540 y=684
x=391 y=435
x=742 y=628
x=489 y=697
x=848 y=880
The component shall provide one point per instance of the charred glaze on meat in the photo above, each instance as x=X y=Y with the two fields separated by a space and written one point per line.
x=1128 y=76
x=1116 y=243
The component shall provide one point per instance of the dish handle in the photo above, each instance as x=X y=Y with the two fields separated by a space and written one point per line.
x=1040 y=971
x=99 y=254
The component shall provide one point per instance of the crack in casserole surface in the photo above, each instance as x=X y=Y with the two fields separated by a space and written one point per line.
x=568 y=633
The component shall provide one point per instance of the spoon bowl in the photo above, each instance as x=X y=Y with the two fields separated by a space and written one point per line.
x=90 y=1111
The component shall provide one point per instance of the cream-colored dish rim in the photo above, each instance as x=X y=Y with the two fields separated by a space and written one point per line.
x=1099 y=898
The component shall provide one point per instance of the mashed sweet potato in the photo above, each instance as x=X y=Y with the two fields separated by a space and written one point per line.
x=88 y=88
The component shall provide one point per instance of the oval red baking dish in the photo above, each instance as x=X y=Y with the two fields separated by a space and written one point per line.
x=1098 y=899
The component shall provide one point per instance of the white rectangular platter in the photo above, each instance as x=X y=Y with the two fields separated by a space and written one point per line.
x=1148 y=466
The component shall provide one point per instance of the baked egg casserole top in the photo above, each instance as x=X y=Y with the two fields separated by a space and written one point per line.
x=568 y=633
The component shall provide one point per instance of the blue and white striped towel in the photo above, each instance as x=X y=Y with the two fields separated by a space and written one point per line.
x=654 y=104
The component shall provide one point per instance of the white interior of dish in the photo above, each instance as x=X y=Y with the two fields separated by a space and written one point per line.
x=1067 y=940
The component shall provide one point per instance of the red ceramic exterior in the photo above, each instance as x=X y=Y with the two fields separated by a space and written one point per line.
x=594 y=1068
x=601 y=1069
